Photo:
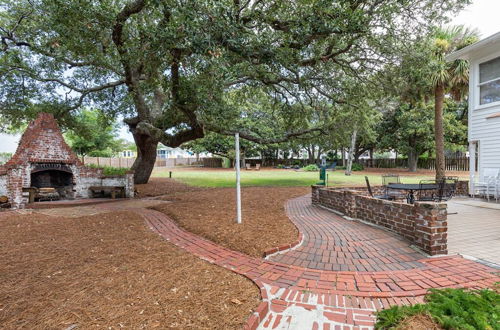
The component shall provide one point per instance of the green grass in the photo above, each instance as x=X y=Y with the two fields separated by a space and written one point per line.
x=280 y=178
x=450 y=308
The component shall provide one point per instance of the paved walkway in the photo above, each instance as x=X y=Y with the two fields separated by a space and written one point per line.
x=332 y=243
x=316 y=295
x=475 y=229
x=297 y=297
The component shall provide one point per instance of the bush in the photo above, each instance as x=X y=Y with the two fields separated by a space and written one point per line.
x=280 y=166
x=311 y=168
x=110 y=170
x=451 y=309
x=357 y=167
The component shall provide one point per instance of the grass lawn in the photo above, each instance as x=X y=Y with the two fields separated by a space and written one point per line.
x=273 y=177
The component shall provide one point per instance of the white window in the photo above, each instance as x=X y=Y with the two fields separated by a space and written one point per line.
x=489 y=81
x=161 y=153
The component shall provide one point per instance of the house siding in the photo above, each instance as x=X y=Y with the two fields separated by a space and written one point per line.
x=481 y=128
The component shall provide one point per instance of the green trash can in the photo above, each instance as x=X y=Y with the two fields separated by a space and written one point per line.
x=322 y=176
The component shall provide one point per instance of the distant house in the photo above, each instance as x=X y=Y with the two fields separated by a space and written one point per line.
x=128 y=154
x=165 y=153
x=484 y=102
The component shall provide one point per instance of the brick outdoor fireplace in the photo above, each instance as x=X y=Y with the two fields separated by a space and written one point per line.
x=44 y=160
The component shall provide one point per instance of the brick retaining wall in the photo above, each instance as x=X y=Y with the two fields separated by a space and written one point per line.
x=423 y=223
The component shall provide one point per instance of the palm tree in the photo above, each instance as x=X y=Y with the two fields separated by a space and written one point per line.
x=448 y=77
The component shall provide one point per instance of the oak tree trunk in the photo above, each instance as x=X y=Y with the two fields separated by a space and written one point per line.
x=146 y=157
x=412 y=161
x=439 y=131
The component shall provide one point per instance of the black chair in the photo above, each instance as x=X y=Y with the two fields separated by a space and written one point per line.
x=447 y=188
x=392 y=178
x=386 y=196
x=428 y=195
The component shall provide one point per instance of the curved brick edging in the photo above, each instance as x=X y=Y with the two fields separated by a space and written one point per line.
x=353 y=295
x=284 y=247
x=261 y=311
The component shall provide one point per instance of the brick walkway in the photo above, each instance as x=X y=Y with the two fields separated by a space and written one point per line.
x=320 y=294
x=296 y=297
x=332 y=243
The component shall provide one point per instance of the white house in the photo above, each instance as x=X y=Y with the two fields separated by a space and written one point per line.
x=166 y=153
x=484 y=102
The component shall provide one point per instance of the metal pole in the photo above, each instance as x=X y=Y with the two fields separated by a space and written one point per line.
x=238 y=188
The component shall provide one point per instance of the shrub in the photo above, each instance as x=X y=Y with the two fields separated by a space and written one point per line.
x=357 y=167
x=110 y=170
x=311 y=168
x=451 y=309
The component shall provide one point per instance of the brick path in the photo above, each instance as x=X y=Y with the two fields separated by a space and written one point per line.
x=332 y=243
x=296 y=297
x=320 y=294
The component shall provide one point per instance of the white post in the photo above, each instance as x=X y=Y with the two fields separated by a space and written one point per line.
x=238 y=188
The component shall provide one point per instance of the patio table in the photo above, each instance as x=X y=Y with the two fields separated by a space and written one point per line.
x=411 y=188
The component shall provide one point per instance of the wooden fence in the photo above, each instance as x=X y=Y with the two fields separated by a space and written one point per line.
x=451 y=163
x=167 y=162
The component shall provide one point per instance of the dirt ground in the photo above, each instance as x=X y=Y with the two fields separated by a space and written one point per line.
x=163 y=186
x=109 y=270
x=211 y=213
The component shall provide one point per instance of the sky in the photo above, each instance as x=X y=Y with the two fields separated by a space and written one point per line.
x=481 y=14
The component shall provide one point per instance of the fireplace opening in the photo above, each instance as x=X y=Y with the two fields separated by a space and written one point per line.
x=52 y=184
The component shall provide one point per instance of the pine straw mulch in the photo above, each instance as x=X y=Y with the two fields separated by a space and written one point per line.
x=211 y=213
x=109 y=270
x=419 y=322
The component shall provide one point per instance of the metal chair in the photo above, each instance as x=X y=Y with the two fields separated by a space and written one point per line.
x=487 y=185
x=447 y=188
x=427 y=195
x=386 y=196
x=392 y=178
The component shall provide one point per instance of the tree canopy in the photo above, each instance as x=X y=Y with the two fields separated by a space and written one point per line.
x=94 y=134
x=167 y=65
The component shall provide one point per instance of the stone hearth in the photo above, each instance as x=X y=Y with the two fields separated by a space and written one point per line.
x=44 y=160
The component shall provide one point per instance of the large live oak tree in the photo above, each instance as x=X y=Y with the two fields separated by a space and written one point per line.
x=165 y=65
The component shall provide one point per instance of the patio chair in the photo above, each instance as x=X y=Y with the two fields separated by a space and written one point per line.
x=427 y=195
x=257 y=167
x=486 y=186
x=392 y=178
x=496 y=192
x=447 y=188
x=248 y=166
x=385 y=196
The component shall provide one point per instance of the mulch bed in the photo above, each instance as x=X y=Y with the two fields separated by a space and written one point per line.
x=109 y=270
x=163 y=186
x=211 y=213
x=419 y=322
